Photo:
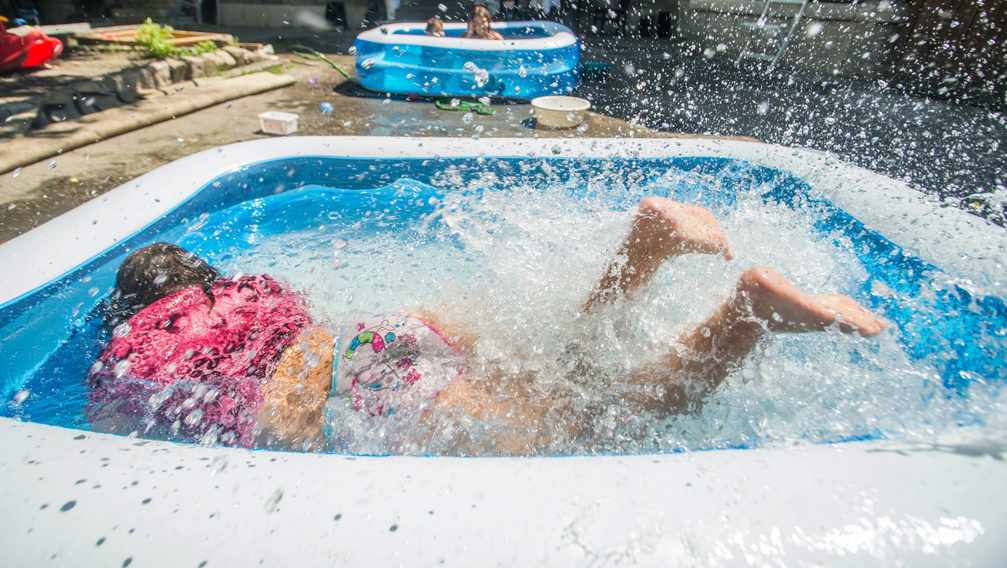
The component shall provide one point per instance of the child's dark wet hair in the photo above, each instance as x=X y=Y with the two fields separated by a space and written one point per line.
x=160 y=270
x=480 y=10
x=435 y=26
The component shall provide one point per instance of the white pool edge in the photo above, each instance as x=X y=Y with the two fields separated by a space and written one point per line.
x=386 y=35
x=83 y=499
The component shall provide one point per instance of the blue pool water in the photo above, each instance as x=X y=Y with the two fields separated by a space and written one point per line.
x=516 y=243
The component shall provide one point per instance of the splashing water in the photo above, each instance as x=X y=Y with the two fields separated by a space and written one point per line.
x=516 y=265
x=514 y=259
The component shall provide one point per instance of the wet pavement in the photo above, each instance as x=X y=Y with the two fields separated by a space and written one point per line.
x=955 y=152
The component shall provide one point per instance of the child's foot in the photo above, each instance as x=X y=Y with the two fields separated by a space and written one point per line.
x=661 y=229
x=786 y=309
x=664 y=228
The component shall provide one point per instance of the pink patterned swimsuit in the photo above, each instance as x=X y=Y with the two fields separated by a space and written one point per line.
x=190 y=372
x=392 y=361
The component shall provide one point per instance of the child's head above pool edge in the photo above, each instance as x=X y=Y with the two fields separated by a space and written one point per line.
x=435 y=27
x=161 y=269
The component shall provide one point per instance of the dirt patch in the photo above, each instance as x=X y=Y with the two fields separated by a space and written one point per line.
x=60 y=195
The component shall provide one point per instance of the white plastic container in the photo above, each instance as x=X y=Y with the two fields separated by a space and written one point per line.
x=275 y=122
x=559 y=111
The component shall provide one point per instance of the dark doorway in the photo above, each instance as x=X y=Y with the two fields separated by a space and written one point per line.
x=208 y=12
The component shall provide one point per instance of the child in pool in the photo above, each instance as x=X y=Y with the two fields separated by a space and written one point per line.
x=435 y=27
x=479 y=24
x=390 y=361
x=209 y=359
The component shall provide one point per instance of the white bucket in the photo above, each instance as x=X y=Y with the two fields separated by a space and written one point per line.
x=275 y=122
x=559 y=111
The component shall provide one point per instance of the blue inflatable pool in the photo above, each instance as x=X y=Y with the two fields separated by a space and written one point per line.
x=535 y=59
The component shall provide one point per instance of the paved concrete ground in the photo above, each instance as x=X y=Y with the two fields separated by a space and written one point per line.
x=955 y=152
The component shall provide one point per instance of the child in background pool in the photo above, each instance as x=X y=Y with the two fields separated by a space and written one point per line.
x=435 y=27
x=397 y=362
x=479 y=24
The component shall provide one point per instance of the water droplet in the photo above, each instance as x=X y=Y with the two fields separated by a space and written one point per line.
x=274 y=500
x=17 y=172
x=763 y=107
x=52 y=165
x=194 y=417
x=442 y=7
x=20 y=396
x=814 y=28
x=522 y=71
x=158 y=398
x=218 y=464
x=705 y=332
x=367 y=63
x=709 y=53
x=121 y=330
x=121 y=368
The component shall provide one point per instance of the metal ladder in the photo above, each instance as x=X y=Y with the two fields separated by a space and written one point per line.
x=763 y=27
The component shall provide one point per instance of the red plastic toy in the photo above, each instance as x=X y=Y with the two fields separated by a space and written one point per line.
x=30 y=50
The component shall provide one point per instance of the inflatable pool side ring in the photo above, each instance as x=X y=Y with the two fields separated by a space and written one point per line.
x=534 y=59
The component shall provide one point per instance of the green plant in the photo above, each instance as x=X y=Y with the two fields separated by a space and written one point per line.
x=154 y=38
x=201 y=47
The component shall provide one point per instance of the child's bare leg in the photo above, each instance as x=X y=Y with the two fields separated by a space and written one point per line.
x=662 y=229
x=764 y=302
